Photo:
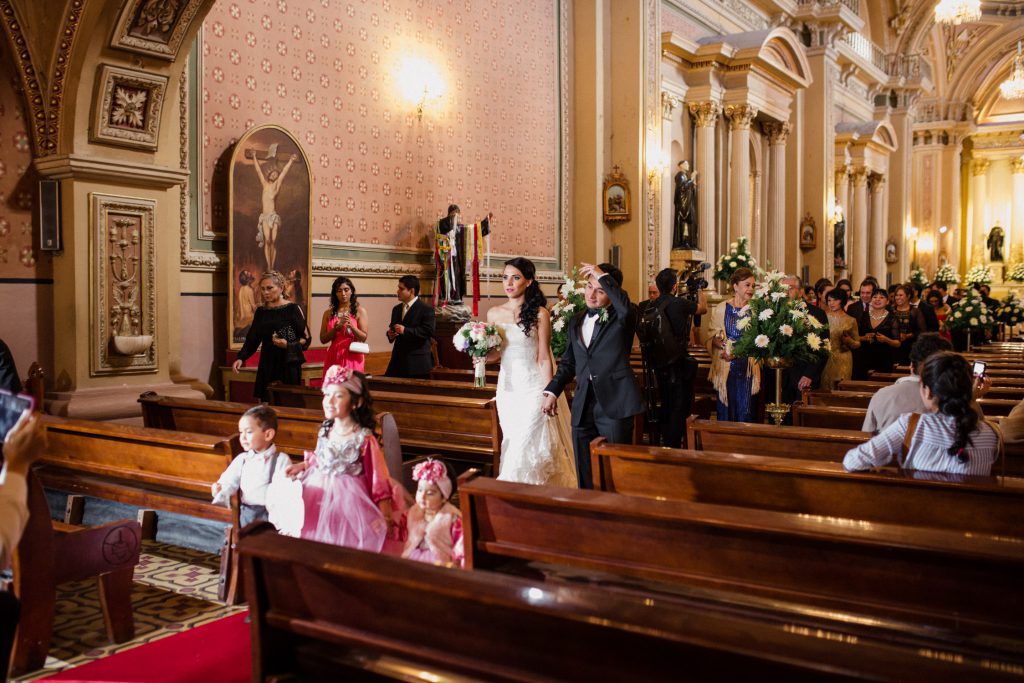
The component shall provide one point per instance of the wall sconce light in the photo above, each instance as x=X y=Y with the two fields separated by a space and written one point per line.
x=657 y=162
x=912 y=232
x=942 y=230
x=419 y=81
x=926 y=244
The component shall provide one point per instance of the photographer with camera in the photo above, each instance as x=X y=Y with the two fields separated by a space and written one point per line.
x=664 y=332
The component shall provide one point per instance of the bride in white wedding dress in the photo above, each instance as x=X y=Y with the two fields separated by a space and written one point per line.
x=535 y=448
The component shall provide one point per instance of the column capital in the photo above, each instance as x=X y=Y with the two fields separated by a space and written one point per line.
x=705 y=113
x=876 y=182
x=859 y=176
x=669 y=102
x=1017 y=165
x=777 y=132
x=843 y=172
x=740 y=116
x=980 y=166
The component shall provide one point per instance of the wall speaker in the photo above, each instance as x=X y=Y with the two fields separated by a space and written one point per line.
x=49 y=215
x=615 y=255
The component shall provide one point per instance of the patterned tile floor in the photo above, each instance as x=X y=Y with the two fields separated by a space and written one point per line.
x=175 y=590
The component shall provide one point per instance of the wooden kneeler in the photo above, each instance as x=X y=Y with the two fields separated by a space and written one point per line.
x=51 y=553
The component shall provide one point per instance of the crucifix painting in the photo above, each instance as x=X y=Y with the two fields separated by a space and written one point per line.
x=270 y=228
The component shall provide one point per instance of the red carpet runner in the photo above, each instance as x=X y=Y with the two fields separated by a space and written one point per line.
x=219 y=651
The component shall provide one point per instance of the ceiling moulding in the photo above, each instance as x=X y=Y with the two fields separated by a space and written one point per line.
x=156 y=29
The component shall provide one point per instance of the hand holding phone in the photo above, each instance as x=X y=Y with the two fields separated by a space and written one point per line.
x=12 y=407
x=979 y=368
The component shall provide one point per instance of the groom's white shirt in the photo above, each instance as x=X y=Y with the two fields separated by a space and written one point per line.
x=587 y=328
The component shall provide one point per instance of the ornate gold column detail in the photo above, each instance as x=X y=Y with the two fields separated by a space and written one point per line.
x=877 y=245
x=859 y=232
x=669 y=102
x=740 y=117
x=705 y=115
x=778 y=134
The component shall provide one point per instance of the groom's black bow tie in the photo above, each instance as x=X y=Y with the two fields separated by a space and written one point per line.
x=591 y=312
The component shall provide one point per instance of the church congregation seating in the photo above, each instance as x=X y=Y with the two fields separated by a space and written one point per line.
x=332 y=627
x=761 y=439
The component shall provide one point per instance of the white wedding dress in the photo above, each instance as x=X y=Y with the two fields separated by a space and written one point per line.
x=535 y=448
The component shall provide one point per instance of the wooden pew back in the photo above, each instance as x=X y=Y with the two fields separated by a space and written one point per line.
x=761 y=439
x=317 y=615
x=911 y=573
x=986 y=505
x=828 y=417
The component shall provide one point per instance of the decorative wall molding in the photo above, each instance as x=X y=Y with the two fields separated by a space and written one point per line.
x=122 y=285
x=44 y=112
x=740 y=116
x=776 y=132
x=126 y=110
x=979 y=167
x=155 y=29
x=80 y=166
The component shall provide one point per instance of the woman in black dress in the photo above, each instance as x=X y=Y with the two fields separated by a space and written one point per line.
x=280 y=329
x=910 y=321
x=879 y=334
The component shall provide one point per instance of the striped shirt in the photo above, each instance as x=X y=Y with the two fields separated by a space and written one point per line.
x=935 y=433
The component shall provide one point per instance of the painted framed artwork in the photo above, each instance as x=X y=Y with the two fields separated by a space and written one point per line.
x=616 y=197
x=270 y=223
x=808 y=232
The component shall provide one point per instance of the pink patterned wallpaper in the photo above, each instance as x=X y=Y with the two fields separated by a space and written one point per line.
x=18 y=254
x=326 y=71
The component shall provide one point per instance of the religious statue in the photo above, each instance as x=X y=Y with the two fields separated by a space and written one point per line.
x=995 y=244
x=454 y=245
x=684 y=232
x=839 y=250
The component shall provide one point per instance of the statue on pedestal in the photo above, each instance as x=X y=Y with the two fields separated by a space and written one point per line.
x=684 y=228
x=995 y=244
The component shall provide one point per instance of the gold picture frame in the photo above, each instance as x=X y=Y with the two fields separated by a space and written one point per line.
x=808 y=232
x=616 y=197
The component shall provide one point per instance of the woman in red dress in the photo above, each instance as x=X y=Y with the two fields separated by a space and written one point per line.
x=343 y=323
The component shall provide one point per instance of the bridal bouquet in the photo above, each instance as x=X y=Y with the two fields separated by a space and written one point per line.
x=947 y=275
x=979 y=275
x=570 y=302
x=774 y=326
x=478 y=339
x=738 y=257
x=970 y=313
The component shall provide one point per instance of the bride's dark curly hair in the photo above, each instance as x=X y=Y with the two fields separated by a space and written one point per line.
x=533 y=298
x=949 y=378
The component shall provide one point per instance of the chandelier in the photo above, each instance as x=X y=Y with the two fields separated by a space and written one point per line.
x=1013 y=87
x=957 y=12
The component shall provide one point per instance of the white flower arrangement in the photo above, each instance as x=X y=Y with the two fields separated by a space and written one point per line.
x=946 y=275
x=979 y=275
x=970 y=312
x=919 y=277
x=477 y=338
x=1016 y=273
x=1010 y=310
x=738 y=257
x=777 y=326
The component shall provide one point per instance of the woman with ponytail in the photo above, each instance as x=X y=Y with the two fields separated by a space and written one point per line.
x=949 y=437
x=535 y=448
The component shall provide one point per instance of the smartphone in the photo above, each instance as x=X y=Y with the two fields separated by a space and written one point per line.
x=12 y=407
x=979 y=368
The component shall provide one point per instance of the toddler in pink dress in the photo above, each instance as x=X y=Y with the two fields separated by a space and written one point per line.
x=434 y=524
x=349 y=498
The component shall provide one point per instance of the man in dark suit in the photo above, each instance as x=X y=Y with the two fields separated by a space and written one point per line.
x=411 y=329
x=597 y=356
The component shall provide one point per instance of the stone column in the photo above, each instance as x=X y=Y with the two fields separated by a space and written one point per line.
x=756 y=230
x=776 y=219
x=843 y=191
x=876 y=258
x=979 y=169
x=705 y=116
x=740 y=117
x=1017 y=209
x=858 y=267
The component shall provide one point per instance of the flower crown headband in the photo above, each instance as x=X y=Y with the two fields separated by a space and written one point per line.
x=434 y=472
x=336 y=374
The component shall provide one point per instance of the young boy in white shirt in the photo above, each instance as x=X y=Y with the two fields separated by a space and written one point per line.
x=253 y=470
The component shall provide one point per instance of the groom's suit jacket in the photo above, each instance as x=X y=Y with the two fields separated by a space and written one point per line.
x=604 y=365
x=411 y=354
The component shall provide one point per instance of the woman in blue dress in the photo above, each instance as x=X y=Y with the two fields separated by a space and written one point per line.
x=737 y=380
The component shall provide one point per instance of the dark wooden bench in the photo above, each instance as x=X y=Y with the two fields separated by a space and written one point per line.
x=992 y=407
x=828 y=417
x=321 y=612
x=983 y=505
x=51 y=553
x=153 y=469
x=760 y=439
x=292 y=396
x=947 y=579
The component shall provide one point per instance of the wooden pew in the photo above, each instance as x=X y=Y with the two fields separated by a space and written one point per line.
x=760 y=439
x=317 y=615
x=985 y=505
x=1014 y=393
x=291 y=396
x=459 y=375
x=991 y=407
x=828 y=417
x=35 y=385
x=51 y=553
x=947 y=579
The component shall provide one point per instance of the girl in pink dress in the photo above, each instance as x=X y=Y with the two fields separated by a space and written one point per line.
x=343 y=323
x=348 y=496
x=435 y=525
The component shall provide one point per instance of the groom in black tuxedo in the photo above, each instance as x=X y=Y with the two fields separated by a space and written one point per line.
x=597 y=356
x=411 y=329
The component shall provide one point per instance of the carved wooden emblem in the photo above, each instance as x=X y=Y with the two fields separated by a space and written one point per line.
x=127 y=108
x=155 y=27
